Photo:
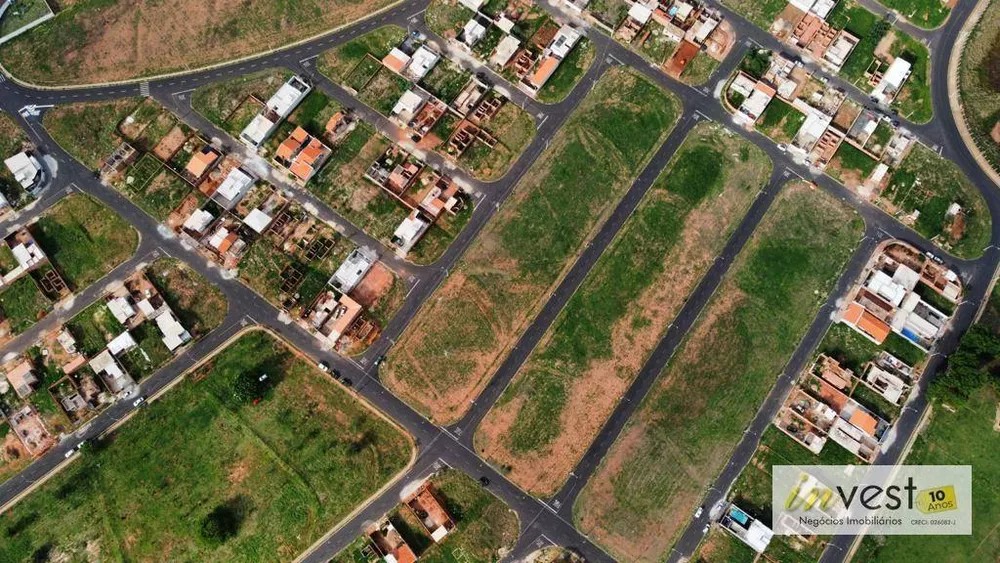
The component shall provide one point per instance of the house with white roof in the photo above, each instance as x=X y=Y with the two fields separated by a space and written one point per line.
x=892 y=81
x=236 y=185
x=408 y=105
x=25 y=168
x=505 y=50
x=198 y=221
x=174 y=334
x=354 y=268
x=422 y=61
x=121 y=344
x=114 y=377
x=121 y=309
x=564 y=41
x=258 y=221
x=277 y=108
x=472 y=32
x=409 y=232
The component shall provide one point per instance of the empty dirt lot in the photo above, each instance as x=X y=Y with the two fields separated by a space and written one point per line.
x=93 y=41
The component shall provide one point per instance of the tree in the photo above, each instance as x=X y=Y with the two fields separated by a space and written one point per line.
x=248 y=387
x=968 y=366
x=220 y=524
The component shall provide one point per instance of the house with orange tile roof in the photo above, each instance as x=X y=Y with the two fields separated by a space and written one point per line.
x=431 y=513
x=301 y=154
x=201 y=162
x=546 y=67
x=390 y=543
x=871 y=327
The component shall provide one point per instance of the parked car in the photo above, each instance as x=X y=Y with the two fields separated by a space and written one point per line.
x=323 y=367
x=140 y=401
x=698 y=513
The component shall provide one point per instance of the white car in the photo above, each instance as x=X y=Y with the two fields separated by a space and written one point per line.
x=697 y=513
x=138 y=401
x=70 y=453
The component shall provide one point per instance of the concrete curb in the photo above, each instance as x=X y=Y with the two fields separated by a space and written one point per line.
x=221 y=64
x=954 y=96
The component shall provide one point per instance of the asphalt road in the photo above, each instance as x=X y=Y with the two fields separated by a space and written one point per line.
x=542 y=523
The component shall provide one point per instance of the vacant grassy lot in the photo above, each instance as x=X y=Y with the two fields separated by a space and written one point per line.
x=853 y=351
x=514 y=130
x=780 y=121
x=22 y=304
x=868 y=28
x=446 y=17
x=229 y=105
x=22 y=13
x=956 y=435
x=337 y=63
x=562 y=396
x=685 y=430
x=84 y=240
x=446 y=80
x=94 y=327
x=762 y=14
x=383 y=90
x=699 y=70
x=199 y=305
x=484 y=526
x=103 y=40
x=458 y=338
x=979 y=84
x=720 y=545
x=88 y=131
x=930 y=184
x=851 y=166
x=927 y=14
x=12 y=139
x=569 y=73
x=201 y=476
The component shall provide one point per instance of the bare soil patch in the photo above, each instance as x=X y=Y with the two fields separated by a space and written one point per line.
x=374 y=286
x=170 y=144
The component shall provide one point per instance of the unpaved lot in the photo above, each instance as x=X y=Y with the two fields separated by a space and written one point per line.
x=568 y=388
x=102 y=40
x=462 y=333
x=652 y=479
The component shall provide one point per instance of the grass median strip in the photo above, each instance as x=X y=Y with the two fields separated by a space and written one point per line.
x=563 y=394
x=454 y=344
x=205 y=475
x=648 y=485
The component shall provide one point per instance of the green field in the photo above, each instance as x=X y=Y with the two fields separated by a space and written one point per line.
x=958 y=434
x=614 y=320
x=484 y=527
x=569 y=73
x=930 y=184
x=507 y=273
x=84 y=240
x=337 y=63
x=88 y=131
x=22 y=303
x=979 y=83
x=780 y=121
x=719 y=545
x=686 y=428
x=202 y=475
x=927 y=14
x=97 y=41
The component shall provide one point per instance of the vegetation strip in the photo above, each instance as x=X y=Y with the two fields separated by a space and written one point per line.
x=457 y=339
x=642 y=495
x=590 y=355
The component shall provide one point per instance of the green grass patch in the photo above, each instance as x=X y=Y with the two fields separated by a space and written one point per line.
x=84 y=240
x=569 y=73
x=929 y=184
x=88 y=131
x=283 y=471
x=852 y=165
x=914 y=100
x=723 y=370
x=446 y=80
x=228 y=105
x=927 y=14
x=150 y=353
x=979 y=83
x=94 y=327
x=589 y=165
x=658 y=256
x=383 y=91
x=780 y=121
x=699 y=70
x=868 y=28
x=199 y=305
x=762 y=14
x=23 y=304
x=336 y=63
x=447 y=17
x=514 y=129
x=21 y=13
x=958 y=434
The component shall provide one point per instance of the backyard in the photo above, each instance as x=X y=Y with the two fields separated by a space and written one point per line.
x=562 y=396
x=930 y=184
x=84 y=240
x=22 y=304
x=851 y=166
x=653 y=477
x=484 y=527
x=202 y=474
x=93 y=41
x=523 y=252
x=383 y=91
x=199 y=305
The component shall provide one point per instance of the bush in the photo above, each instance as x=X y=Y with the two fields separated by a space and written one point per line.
x=968 y=367
x=248 y=387
x=220 y=524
